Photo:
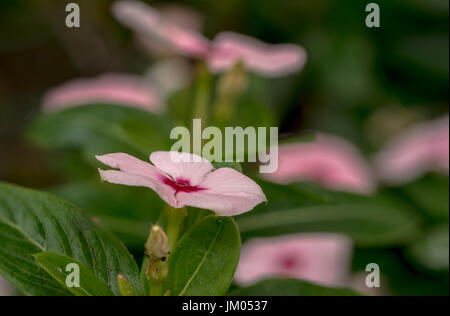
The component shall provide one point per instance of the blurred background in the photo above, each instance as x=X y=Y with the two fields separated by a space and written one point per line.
x=363 y=84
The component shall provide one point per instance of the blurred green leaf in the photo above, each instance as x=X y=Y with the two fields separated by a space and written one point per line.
x=305 y=208
x=287 y=287
x=205 y=259
x=430 y=193
x=432 y=252
x=233 y=165
x=102 y=129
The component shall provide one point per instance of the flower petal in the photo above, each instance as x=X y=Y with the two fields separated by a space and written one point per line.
x=320 y=258
x=226 y=192
x=135 y=172
x=420 y=149
x=114 y=89
x=330 y=161
x=148 y=21
x=264 y=59
x=182 y=166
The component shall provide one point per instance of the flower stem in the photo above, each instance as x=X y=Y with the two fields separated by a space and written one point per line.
x=202 y=93
x=156 y=287
x=175 y=220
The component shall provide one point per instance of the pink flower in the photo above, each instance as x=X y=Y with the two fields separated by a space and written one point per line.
x=183 y=179
x=264 y=59
x=111 y=88
x=420 y=149
x=147 y=21
x=319 y=258
x=329 y=161
x=222 y=53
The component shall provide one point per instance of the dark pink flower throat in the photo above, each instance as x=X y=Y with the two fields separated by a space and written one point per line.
x=181 y=185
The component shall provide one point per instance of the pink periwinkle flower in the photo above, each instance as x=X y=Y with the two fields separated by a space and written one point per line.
x=264 y=59
x=117 y=89
x=329 y=161
x=319 y=258
x=220 y=54
x=420 y=149
x=148 y=21
x=183 y=179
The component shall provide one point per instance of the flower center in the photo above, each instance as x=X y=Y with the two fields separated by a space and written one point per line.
x=181 y=185
x=289 y=263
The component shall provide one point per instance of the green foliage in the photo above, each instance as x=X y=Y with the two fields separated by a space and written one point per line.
x=55 y=264
x=32 y=222
x=101 y=129
x=205 y=259
x=286 y=287
x=305 y=208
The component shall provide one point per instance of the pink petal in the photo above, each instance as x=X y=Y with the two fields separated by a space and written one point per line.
x=182 y=166
x=147 y=21
x=420 y=149
x=329 y=161
x=319 y=258
x=259 y=57
x=226 y=191
x=135 y=172
x=112 y=89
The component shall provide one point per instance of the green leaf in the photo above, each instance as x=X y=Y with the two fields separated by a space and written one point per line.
x=32 y=222
x=125 y=211
x=430 y=193
x=233 y=165
x=101 y=129
x=55 y=264
x=286 y=287
x=205 y=259
x=432 y=252
x=369 y=221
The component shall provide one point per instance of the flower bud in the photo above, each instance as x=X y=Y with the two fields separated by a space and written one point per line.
x=157 y=245
x=124 y=286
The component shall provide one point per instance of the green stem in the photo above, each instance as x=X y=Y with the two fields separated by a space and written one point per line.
x=202 y=93
x=175 y=220
x=156 y=287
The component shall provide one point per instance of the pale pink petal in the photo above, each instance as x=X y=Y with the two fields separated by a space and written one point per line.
x=320 y=258
x=182 y=166
x=6 y=289
x=148 y=22
x=422 y=148
x=117 y=89
x=264 y=59
x=135 y=172
x=329 y=161
x=226 y=192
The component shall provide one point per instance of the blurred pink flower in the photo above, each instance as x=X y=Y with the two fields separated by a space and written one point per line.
x=117 y=89
x=318 y=258
x=264 y=59
x=183 y=179
x=221 y=54
x=148 y=21
x=420 y=149
x=329 y=161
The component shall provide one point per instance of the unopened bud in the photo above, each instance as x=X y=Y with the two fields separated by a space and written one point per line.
x=157 y=244
x=124 y=286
